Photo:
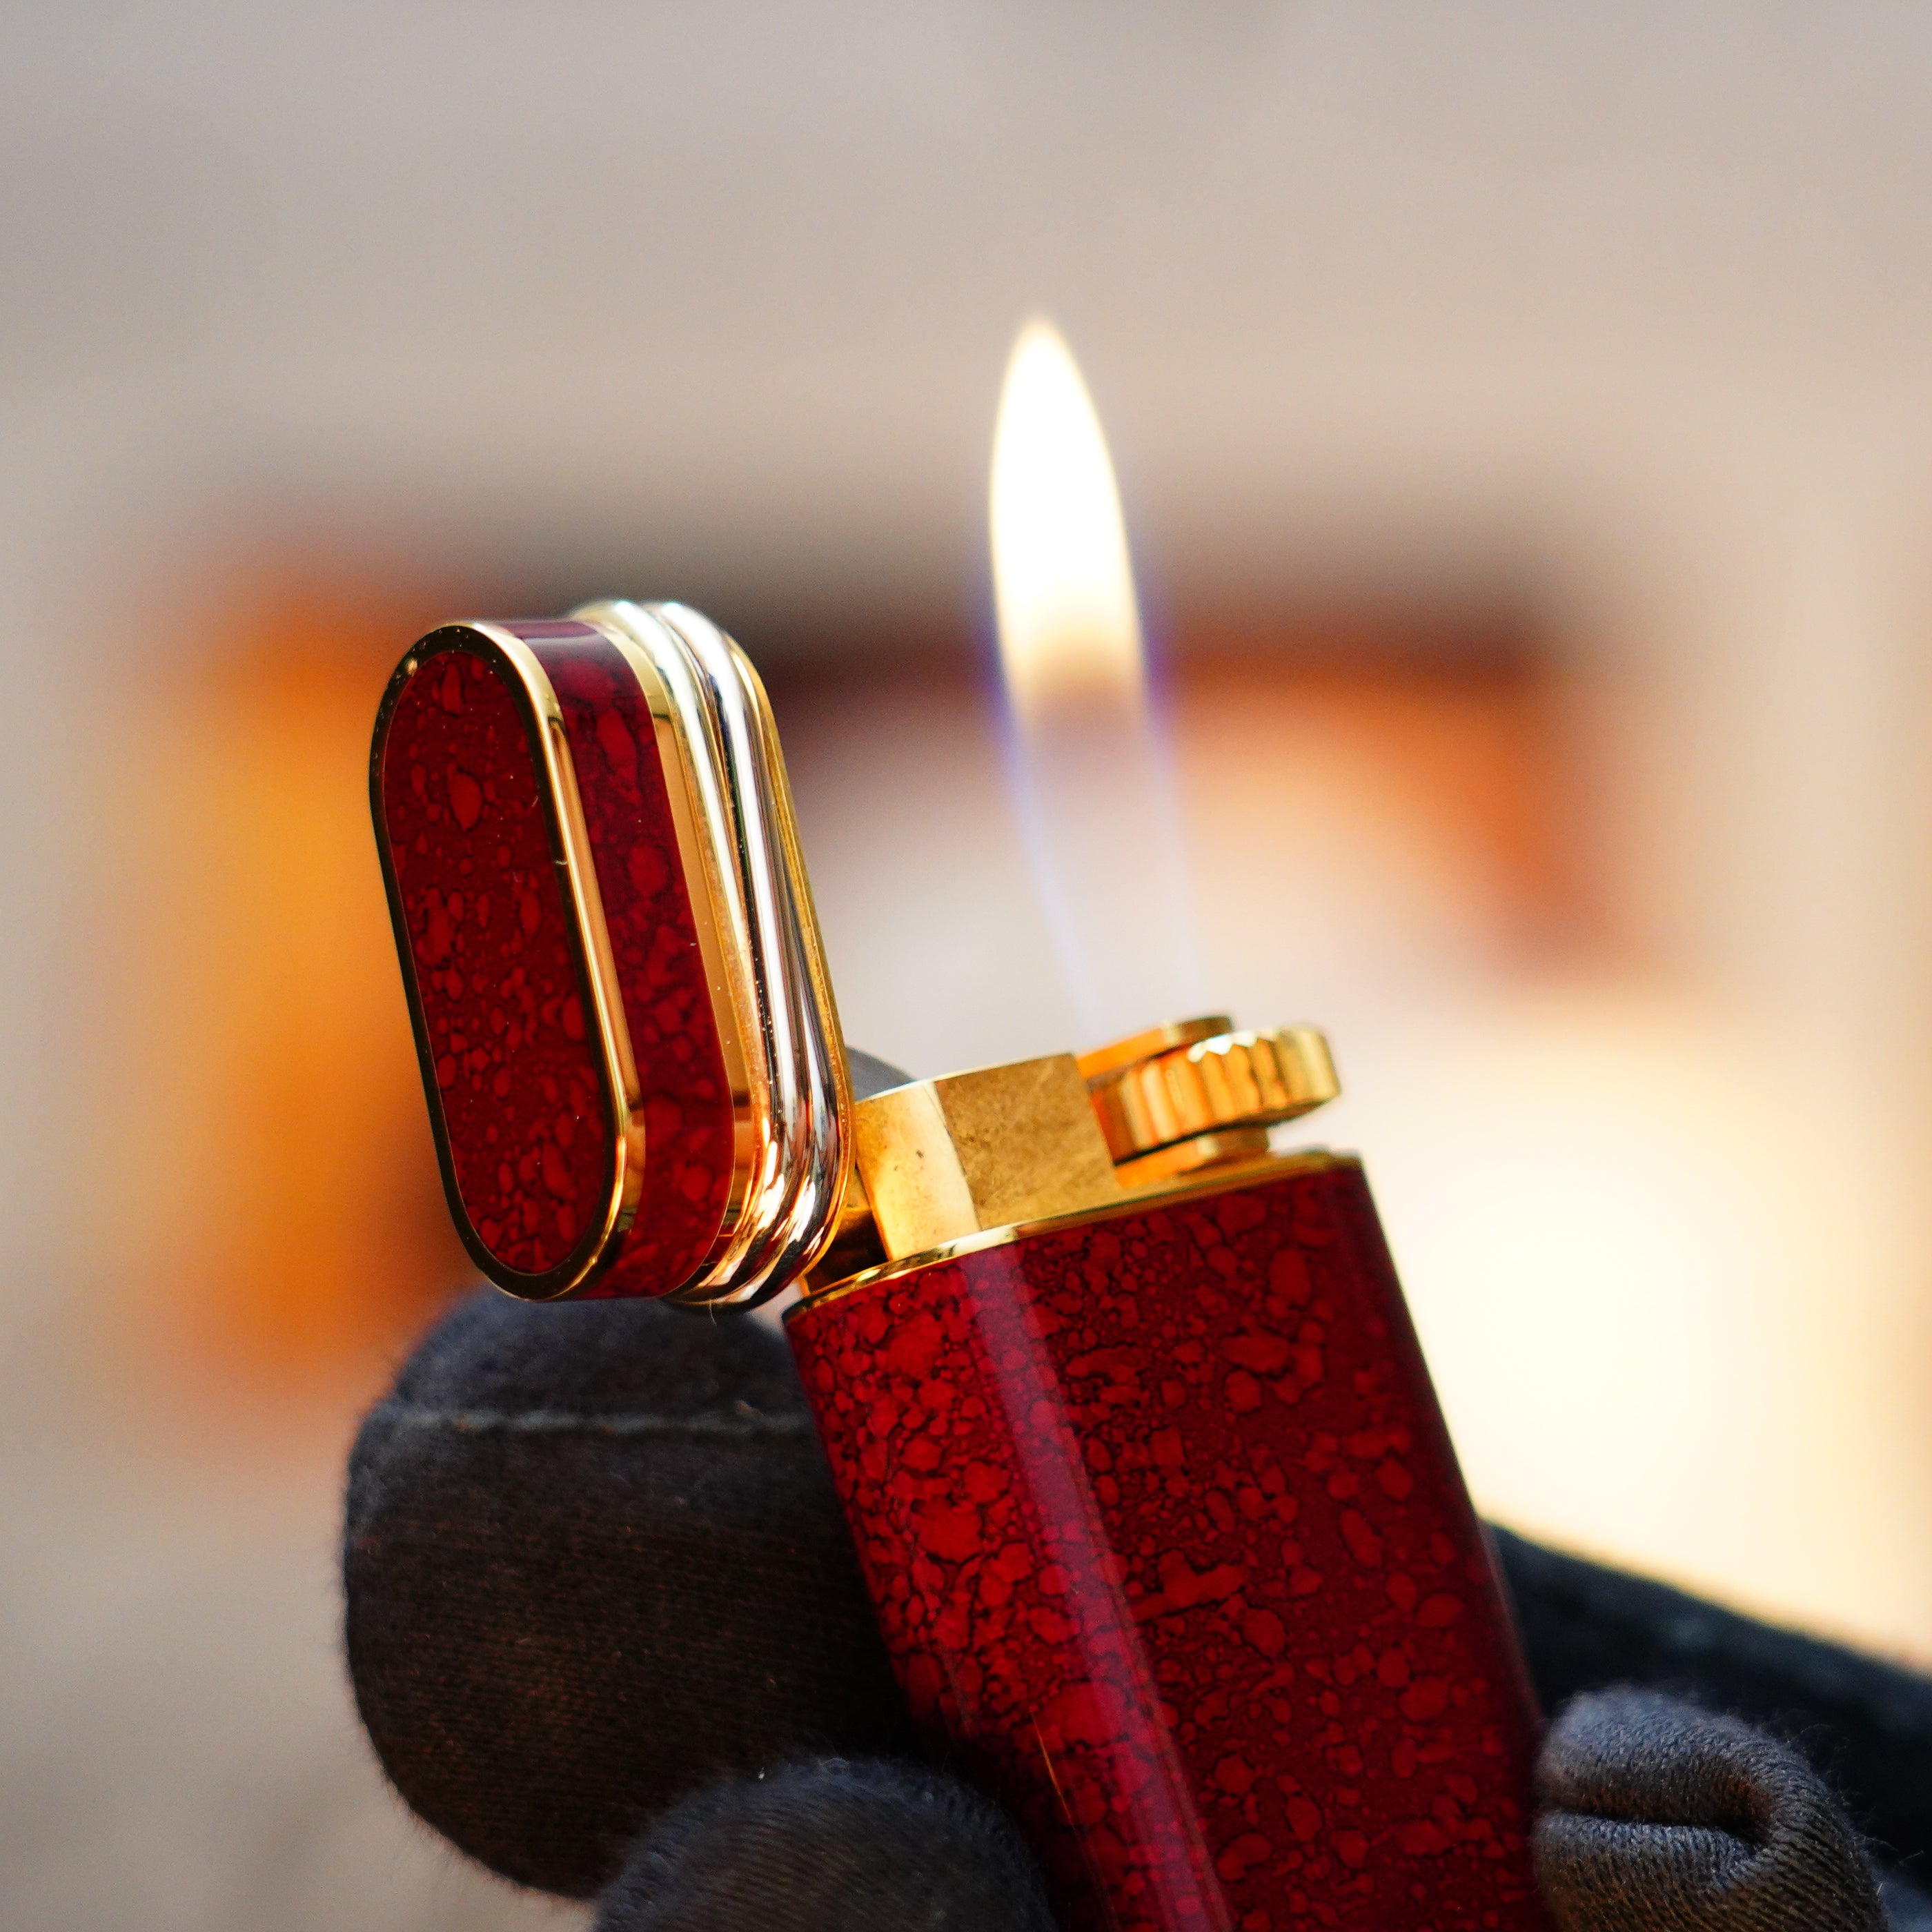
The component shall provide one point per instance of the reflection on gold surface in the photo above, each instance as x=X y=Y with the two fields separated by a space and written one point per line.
x=945 y=1158
x=1227 y=1080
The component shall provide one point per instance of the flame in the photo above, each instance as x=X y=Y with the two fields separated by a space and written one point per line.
x=1091 y=781
x=1070 y=629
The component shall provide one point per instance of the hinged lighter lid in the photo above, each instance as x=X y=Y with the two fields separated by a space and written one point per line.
x=626 y=1032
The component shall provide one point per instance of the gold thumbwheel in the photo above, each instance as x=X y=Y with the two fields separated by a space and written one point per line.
x=1200 y=1092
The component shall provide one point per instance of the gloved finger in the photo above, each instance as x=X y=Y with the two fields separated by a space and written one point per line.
x=1660 y=1817
x=829 y=1846
x=1586 y=1628
x=593 y=1562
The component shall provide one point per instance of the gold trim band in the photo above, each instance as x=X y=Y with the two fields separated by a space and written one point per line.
x=1216 y=1180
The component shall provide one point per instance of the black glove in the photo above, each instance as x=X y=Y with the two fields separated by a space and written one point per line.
x=1656 y=1814
x=607 y=1634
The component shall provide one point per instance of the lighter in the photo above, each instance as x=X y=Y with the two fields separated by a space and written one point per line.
x=1138 y=1452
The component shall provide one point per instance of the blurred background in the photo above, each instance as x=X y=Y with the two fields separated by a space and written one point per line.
x=1524 y=419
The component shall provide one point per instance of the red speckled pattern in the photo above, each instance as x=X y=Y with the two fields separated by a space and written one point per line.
x=687 y=1098
x=518 y=1083
x=1167 y=1538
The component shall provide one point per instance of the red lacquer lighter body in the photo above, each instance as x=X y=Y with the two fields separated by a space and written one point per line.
x=1168 y=1539
x=1140 y=1457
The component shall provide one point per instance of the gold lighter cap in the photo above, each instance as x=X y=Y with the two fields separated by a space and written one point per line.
x=1201 y=1091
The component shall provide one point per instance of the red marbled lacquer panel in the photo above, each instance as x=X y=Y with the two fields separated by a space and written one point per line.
x=647 y=907
x=1168 y=1539
x=528 y=1127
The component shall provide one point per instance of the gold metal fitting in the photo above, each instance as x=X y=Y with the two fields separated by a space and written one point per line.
x=941 y=1159
x=938 y=1162
x=1200 y=1092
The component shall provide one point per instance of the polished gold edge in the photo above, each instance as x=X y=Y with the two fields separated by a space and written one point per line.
x=1214 y=1149
x=712 y=888
x=823 y=1000
x=1207 y=1083
x=819 y=1150
x=1203 y=1181
x=700 y=856
x=1117 y=1056
x=707 y=815
x=797 y=1160
x=589 y=940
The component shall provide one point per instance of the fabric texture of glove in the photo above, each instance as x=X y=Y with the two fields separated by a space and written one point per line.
x=593 y=1561
x=1659 y=1817
x=830 y=1846
x=1867 y=1725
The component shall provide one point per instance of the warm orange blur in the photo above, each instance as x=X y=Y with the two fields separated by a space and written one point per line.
x=1451 y=747
x=284 y=1232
